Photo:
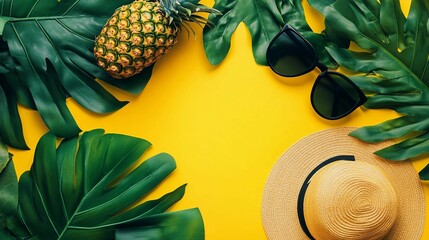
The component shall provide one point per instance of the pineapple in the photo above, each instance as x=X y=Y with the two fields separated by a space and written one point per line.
x=140 y=33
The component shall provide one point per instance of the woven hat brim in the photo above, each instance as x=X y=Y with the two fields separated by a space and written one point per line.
x=279 y=203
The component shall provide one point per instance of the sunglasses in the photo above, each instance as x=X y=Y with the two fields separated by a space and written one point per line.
x=333 y=95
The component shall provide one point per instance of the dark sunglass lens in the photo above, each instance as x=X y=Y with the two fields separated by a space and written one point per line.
x=334 y=97
x=290 y=55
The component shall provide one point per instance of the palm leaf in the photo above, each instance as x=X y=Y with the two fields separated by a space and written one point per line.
x=85 y=189
x=46 y=56
x=392 y=66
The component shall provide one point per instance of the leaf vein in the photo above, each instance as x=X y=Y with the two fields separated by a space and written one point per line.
x=11 y=7
x=71 y=7
x=23 y=47
x=32 y=8
x=72 y=31
x=113 y=199
x=264 y=29
x=44 y=206
x=76 y=211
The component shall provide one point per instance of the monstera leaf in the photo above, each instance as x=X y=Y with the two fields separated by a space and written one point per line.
x=46 y=56
x=264 y=20
x=88 y=188
x=10 y=226
x=8 y=192
x=261 y=16
x=393 y=65
x=10 y=122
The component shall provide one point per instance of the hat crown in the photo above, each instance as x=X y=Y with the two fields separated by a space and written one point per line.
x=350 y=200
x=287 y=185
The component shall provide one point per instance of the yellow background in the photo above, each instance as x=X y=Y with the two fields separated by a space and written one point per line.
x=225 y=125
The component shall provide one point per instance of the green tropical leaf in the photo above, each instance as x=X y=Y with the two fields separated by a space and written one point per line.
x=10 y=122
x=8 y=75
x=391 y=66
x=7 y=63
x=264 y=20
x=165 y=226
x=8 y=191
x=424 y=173
x=293 y=14
x=88 y=187
x=47 y=46
x=10 y=226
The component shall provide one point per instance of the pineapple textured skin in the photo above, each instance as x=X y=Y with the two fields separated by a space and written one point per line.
x=134 y=37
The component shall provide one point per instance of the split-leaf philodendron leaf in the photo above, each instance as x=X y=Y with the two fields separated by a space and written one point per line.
x=393 y=66
x=10 y=226
x=264 y=20
x=46 y=56
x=8 y=192
x=262 y=17
x=89 y=187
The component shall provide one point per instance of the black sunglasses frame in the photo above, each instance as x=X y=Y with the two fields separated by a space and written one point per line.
x=325 y=72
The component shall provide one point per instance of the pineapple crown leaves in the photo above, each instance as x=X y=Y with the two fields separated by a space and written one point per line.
x=180 y=12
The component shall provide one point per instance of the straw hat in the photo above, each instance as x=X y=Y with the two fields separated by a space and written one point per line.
x=331 y=186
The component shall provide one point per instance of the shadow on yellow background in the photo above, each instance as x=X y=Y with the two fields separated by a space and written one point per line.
x=225 y=125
